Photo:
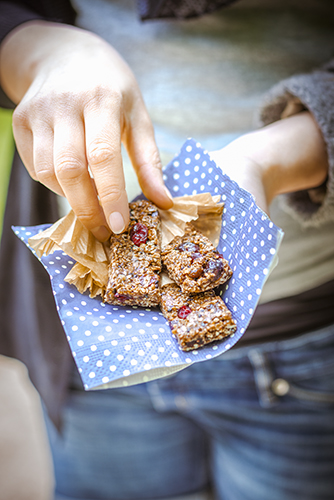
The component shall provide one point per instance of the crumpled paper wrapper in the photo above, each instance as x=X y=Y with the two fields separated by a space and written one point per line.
x=117 y=346
x=92 y=257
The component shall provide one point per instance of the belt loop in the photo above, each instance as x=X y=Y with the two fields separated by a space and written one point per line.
x=263 y=377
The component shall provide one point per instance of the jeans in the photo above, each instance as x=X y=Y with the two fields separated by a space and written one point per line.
x=256 y=423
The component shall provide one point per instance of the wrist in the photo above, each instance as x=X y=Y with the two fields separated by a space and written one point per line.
x=237 y=162
x=251 y=157
x=259 y=148
x=291 y=155
x=37 y=47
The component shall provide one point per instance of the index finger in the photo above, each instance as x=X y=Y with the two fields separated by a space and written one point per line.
x=103 y=147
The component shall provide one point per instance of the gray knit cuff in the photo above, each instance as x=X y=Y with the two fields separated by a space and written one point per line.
x=316 y=92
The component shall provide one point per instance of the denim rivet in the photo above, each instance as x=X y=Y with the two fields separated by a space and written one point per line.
x=181 y=402
x=280 y=387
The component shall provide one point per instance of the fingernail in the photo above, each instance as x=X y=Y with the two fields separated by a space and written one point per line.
x=101 y=233
x=116 y=222
x=168 y=194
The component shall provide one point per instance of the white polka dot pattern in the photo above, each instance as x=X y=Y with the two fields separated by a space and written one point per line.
x=113 y=342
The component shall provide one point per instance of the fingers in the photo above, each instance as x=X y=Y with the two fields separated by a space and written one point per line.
x=24 y=142
x=103 y=146
x=59 y=154
x=43 y=159
x=36 y=151
x=59 y=159
x=70 y=168
x=144 y=154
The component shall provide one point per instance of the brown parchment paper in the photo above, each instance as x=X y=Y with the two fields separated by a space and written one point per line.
x=90 y=271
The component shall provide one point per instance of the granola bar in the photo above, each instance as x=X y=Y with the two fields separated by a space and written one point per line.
x=135 y=260
x=196 y=320
x=194 y=263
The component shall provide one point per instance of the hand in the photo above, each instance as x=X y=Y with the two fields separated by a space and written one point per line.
x=78 y=100
x=288 y=155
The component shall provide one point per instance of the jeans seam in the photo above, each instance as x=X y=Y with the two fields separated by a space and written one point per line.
x=308 y=395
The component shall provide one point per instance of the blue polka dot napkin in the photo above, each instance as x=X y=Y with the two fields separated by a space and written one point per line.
x=118 y=346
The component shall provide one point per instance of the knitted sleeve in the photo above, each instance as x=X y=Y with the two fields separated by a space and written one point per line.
x=314 y=92
x=178 y=9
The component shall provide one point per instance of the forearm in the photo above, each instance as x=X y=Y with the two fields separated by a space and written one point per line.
x=15 y=13
x=291 y=154
x=286 y=156
x=314 y=92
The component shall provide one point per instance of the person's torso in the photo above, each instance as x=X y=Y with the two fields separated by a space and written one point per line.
x=206 y=78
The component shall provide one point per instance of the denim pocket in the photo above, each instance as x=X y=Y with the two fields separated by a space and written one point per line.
x=282 y=387
x=305 y=372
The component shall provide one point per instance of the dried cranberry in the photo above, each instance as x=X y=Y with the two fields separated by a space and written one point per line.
x=183 y=312
x=215 y=267
x=121 y=298
x=138 y=234
x=188 y=246
x=195 y=255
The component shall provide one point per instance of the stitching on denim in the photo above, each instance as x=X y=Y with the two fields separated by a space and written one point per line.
x=313 y=396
